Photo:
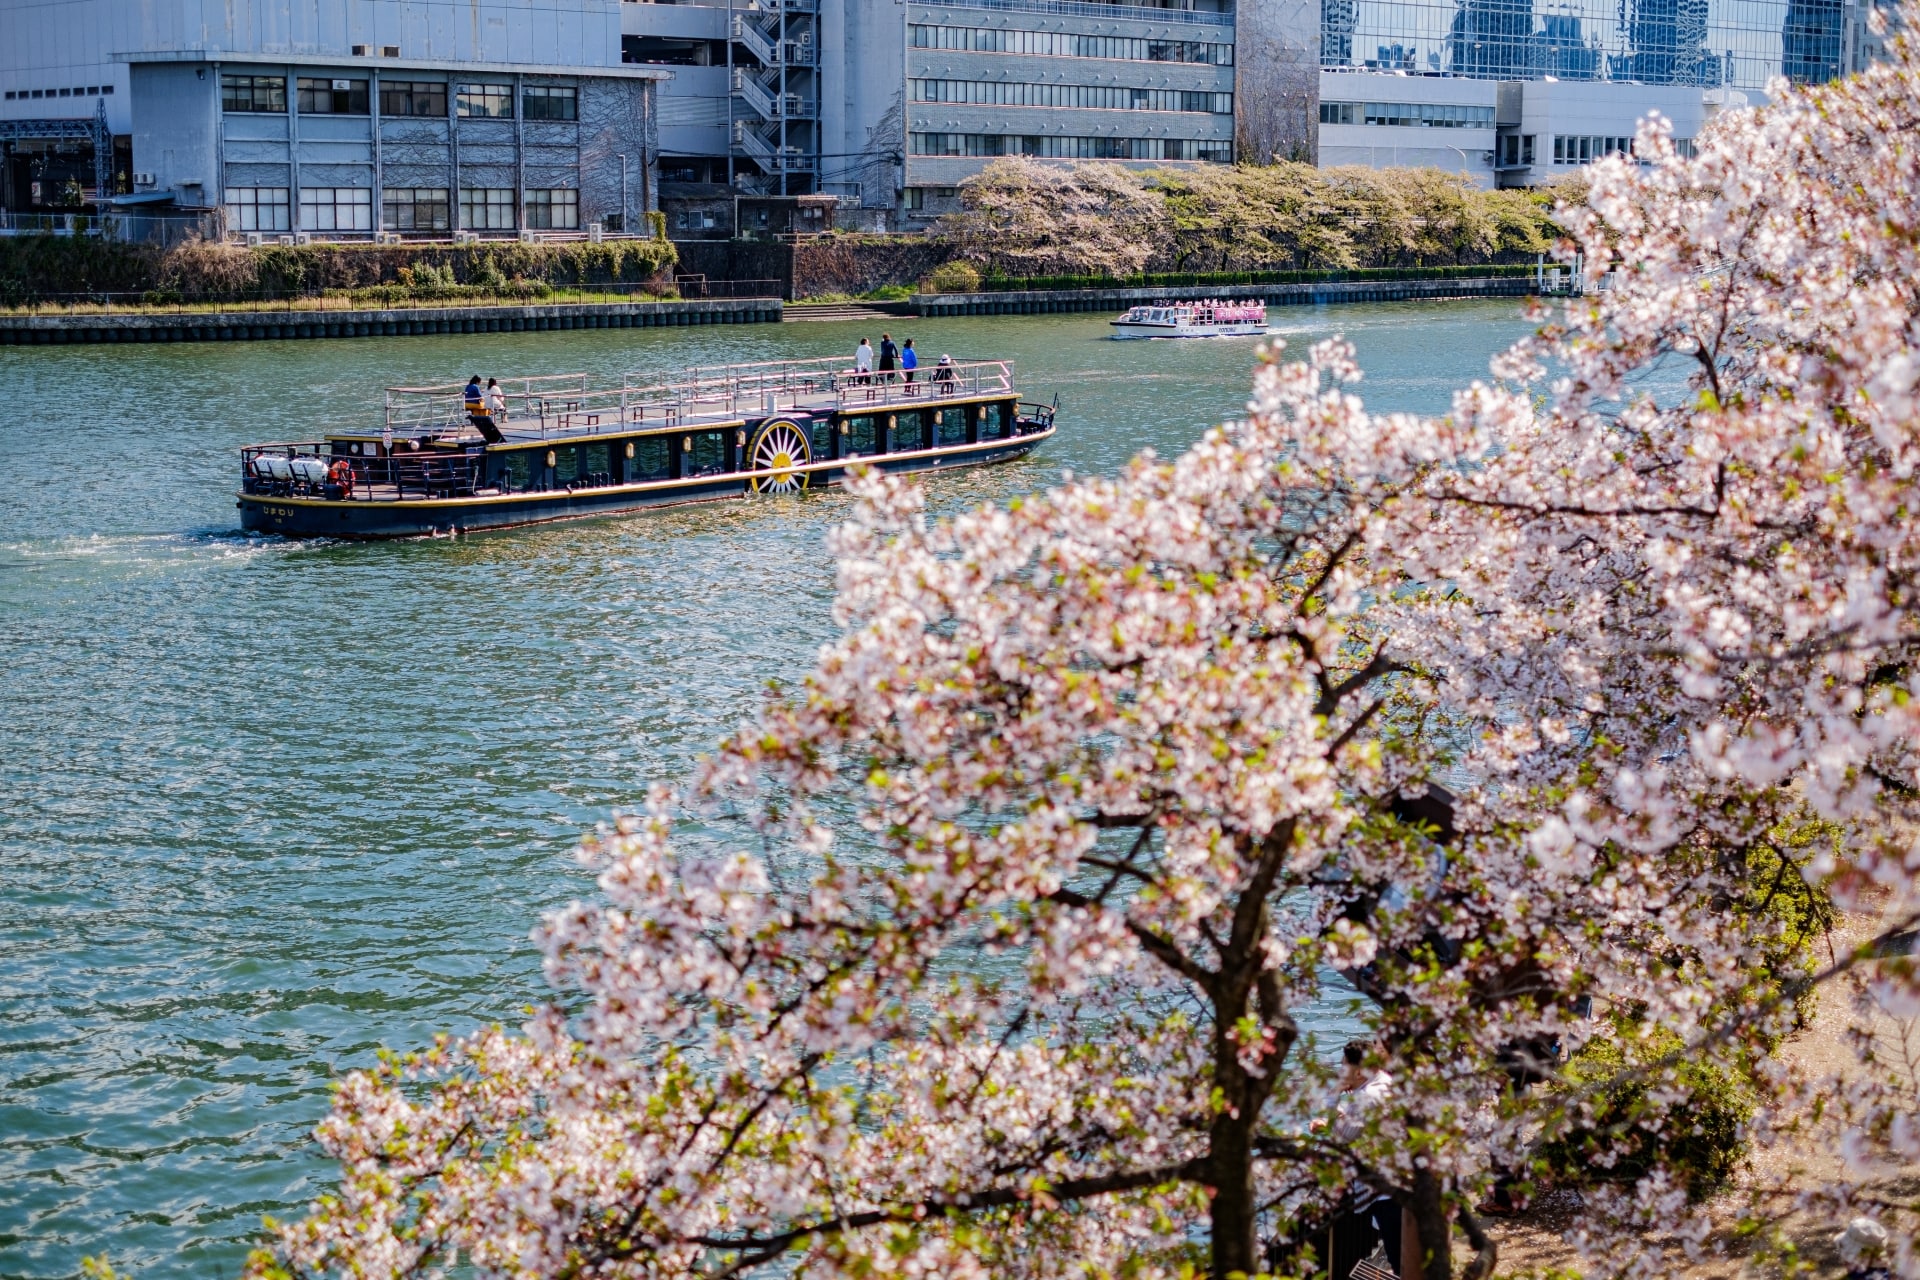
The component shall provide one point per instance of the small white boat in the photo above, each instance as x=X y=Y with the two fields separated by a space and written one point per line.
x=1209 y=319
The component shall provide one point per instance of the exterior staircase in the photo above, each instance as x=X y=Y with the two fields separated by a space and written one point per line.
x=846 y=310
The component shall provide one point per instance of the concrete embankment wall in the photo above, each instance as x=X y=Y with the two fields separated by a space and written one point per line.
x=240 y=326
x=1038 y=301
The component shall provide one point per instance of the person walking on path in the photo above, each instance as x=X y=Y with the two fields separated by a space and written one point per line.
x=909 y=360
x=863 y=363
x=889 y=355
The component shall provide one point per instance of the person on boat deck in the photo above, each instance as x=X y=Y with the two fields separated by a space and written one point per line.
x=475 y=398
x=496 y=401
x=909 y=359
x=943 y=373
x=889 y=354
x=862 y=361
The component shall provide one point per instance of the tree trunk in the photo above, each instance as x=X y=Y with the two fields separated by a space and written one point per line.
x=1236 y=1245
x=1428 y=1208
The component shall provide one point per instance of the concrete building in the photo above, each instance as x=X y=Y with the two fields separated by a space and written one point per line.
x=418 y=117
x=892 y=105
x=1498 y=133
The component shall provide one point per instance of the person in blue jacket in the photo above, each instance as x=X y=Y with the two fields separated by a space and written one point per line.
x=909 y=361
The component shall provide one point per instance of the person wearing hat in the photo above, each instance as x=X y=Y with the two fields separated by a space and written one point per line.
x=943 y=375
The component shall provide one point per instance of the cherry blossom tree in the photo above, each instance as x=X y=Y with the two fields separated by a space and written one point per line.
x=991 y=948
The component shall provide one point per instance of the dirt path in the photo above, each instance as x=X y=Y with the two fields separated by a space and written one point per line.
x=1532 y=1245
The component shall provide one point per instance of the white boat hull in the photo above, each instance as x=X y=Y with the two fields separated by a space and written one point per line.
x=1134 y=329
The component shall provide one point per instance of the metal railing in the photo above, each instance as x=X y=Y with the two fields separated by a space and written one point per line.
x=568 y=404
x=308 y=469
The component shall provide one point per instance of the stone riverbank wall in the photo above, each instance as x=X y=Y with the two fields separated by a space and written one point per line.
x=1049 y=300
x=241 y=326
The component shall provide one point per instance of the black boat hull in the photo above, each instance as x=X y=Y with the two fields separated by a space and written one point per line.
x=306 y=517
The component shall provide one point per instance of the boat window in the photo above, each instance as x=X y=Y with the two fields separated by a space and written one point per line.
x=908 y=432
x=707 y=455
x=820 y=439
x=517 y=469
x=652 y=459
x=953 y=424
x=860 y=437
x=994 y=425
x=566 y=465
x=596 y=466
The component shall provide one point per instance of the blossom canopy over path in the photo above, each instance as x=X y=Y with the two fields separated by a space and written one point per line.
x=1096 y=792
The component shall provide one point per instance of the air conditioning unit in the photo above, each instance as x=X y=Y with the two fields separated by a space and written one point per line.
x=389 y=50
x=363 y=51
x=301 y=237
x=387 y=237
x=287 y=241
x=255 y=239
x=596 y=231
x=144 y=180
x=529 y=237
x=466 y=237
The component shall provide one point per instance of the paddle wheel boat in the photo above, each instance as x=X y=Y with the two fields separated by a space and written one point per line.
x=569 y=447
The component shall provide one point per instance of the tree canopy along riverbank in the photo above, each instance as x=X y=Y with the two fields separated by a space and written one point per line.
x=1026 y=218
x=1552 y=728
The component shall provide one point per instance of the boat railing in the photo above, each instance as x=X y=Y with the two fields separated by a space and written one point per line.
x=306 y=469
x=569 y=405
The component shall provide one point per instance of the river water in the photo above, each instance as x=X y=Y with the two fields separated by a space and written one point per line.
x=266 y=806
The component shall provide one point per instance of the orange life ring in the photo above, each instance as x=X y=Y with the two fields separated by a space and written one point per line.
x=341 y=473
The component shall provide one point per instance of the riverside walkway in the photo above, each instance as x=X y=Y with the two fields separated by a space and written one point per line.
x=282 y=323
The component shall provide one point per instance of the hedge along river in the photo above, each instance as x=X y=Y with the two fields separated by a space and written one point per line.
x=267 y=806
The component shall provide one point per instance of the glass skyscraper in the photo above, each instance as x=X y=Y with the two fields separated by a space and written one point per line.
x=1739 y=44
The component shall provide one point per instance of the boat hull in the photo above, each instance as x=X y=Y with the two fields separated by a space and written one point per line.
x=299 y=517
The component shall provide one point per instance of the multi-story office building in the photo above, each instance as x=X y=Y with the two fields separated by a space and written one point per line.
x=339 y=120
x=893 y=105
x=1706 y=44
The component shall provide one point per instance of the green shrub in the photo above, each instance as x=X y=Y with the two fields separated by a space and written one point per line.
x=1700 y=1141
x=953 y=277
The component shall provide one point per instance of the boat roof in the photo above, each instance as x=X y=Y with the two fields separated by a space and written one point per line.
x=556 y=406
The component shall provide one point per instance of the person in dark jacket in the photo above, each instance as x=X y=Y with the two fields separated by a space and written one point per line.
x=889 y=356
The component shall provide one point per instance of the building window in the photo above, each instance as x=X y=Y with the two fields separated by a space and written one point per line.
x=486 y=208
x=486 y=101
x=544 y=102
x=414 y=209
x=413 y=98
x=336 y=209
x=1337 y=112
x=258 y=209
x=1584 y=149
x=553 y=210
x=332 y=97
x=253 y=93
x=1061 y=44
x=1210 y=150
x=1002 y=93
x=1428 y=115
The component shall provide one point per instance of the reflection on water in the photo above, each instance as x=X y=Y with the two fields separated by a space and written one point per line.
x=267 y=805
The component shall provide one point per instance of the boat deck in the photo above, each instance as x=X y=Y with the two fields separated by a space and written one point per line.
x=555 y=407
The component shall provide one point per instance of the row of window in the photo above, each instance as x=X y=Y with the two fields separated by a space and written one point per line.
x=329 y=96
x=1431 y=115
x=1065 y=44
x=401 y=209
x=1583 y=149
x=1047 y=146
x=78 y=91
x=1104 y=97
x=705 y=453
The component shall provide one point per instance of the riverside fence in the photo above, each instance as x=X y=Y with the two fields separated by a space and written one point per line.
x=190 y=325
